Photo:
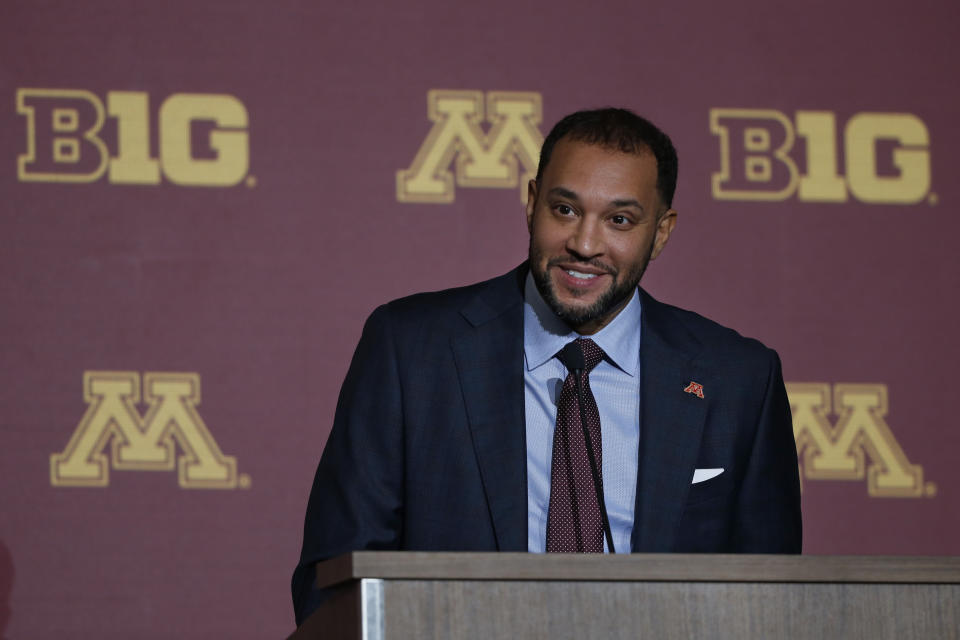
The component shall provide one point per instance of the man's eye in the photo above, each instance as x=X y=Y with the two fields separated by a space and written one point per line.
x=619 y=220
x=564 y=210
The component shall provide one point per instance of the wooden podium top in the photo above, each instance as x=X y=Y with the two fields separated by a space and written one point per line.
x=656 y=567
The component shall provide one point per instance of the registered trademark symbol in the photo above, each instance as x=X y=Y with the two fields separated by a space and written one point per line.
x=251 y=181
x=933 y=199
x=244 y=481
x=930 y=489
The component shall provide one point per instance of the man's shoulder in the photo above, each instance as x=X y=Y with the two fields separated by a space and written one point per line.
x=474 y=301
x=444 y=299
x=715 y=339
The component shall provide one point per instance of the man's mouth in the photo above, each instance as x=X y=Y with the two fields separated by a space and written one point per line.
x=580 y=278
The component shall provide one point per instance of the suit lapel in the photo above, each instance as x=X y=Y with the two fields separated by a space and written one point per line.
x=671 y=426
x=489 y=358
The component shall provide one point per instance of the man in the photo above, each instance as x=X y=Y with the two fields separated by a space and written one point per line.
x=444 y=432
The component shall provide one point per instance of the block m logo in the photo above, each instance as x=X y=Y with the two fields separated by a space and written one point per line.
x=504 y=157
x=144 y=443
x=859 y=445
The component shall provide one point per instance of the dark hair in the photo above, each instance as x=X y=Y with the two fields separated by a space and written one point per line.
x=622 y=130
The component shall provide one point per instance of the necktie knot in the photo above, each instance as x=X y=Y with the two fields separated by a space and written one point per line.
x=592 y=354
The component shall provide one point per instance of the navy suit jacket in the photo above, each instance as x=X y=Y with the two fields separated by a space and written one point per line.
x=428 y=449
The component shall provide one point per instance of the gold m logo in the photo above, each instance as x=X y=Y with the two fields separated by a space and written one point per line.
x=144 y=443
x=859 y=445
x=491 y=160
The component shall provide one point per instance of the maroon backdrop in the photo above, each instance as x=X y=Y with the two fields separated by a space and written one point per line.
x=201 y=203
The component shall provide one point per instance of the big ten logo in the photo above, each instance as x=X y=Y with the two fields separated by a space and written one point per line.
x=503 y=157
x=201 y=139
x=886 y=157
x=143 y=442
x=858 y=445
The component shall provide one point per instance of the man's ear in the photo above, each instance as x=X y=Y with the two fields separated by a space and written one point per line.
x=665 y=226
x=531 y=203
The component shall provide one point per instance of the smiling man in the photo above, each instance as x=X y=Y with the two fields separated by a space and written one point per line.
x=595 y=219
x=559 y=407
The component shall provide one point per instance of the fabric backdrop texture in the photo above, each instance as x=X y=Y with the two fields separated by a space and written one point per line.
x=203 y=201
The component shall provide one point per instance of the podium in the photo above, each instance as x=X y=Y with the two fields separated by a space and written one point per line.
x=388 y=595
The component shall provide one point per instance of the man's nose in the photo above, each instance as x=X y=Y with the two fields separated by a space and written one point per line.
x=586 y=240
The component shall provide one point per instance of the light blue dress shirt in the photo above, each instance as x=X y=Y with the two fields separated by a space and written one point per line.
x=615 y=383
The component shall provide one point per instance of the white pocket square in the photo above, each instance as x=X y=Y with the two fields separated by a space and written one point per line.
x=699 y=475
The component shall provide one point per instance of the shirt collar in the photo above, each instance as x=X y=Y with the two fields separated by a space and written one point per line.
x=544 y=334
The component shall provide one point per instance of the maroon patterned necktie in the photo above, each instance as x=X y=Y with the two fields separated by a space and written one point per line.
x=573 y=521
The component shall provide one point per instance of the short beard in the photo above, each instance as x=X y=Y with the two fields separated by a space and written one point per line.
x=615 y=295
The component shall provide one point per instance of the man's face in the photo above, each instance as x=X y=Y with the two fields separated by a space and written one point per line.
x=595 y=222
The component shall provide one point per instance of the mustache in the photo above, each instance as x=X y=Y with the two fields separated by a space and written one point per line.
x=571 y=260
